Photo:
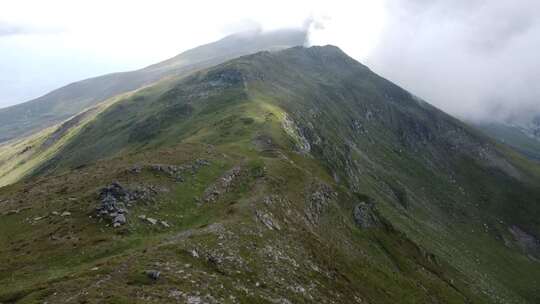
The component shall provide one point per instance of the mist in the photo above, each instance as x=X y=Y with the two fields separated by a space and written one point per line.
x=477 y=60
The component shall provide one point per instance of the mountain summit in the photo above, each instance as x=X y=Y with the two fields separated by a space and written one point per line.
x=291 y=176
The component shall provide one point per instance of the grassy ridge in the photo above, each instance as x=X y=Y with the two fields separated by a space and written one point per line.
x=70 y=255
x=311 y=134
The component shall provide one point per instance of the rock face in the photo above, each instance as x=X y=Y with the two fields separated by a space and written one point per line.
x=302 y=145
x=364 y=217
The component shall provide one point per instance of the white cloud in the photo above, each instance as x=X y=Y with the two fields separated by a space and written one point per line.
x=474 y=59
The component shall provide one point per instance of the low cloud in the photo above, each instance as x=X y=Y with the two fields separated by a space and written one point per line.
x=475 y=59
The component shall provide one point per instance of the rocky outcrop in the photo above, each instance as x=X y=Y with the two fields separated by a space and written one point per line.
x=302 y=144
x=176 y=172
x=317 y=201
x=223 y=185
x=115 y=199
x=364 y=216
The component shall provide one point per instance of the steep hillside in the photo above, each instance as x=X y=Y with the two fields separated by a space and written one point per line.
x=296 y=176
x=60 y=104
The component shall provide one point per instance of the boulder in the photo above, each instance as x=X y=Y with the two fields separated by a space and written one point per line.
x=153 y=274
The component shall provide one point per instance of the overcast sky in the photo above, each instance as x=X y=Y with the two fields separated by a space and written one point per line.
x=474 y=59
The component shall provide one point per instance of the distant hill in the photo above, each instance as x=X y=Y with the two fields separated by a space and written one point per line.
x=524 y=137
x=60 y=104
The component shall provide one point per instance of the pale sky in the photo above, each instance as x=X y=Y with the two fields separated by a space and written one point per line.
x=47 y=44
x=476 y=59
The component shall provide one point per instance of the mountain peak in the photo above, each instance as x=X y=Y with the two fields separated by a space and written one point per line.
x=318 y=50
x=301 y=61
x=241 y=43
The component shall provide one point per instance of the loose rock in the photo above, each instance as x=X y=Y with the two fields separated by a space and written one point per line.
x=267 y=220
x=151 y=220
x=153 y=274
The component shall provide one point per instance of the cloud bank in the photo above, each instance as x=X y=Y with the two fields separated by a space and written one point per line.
x=477 y=60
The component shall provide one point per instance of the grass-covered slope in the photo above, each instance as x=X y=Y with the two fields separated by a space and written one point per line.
x=251 y=243
x=290 y=177
x=58 y=105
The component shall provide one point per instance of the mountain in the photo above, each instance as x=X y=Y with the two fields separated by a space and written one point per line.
x=522 y=136
x=58 y=105
x=295 y=176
